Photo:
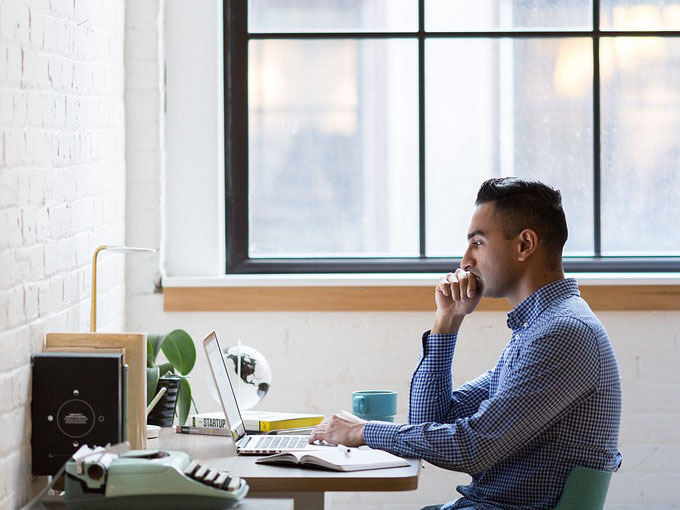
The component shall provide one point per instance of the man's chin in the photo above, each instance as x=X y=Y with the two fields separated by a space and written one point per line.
x=485 y=291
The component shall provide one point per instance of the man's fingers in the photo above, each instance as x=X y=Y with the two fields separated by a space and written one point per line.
x=319 y=432
x=457 y=285
x=472 y=286
x=462 y=277
x=453 y=285
x=444 y=286
x=467 y=285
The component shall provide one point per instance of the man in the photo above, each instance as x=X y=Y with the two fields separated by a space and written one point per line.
x=553 y=400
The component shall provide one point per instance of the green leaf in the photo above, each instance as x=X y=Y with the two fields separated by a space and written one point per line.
x=166 y=369
x=152 y=376
x=154 y=344
x=150 y=356
x=179 y=348
x=184 y=400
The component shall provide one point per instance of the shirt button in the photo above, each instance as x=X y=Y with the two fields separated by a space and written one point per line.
x=525 y=325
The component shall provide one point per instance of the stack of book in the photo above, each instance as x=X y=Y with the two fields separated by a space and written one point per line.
x=262 y=422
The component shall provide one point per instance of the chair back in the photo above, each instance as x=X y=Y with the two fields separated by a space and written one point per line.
x=586 y=489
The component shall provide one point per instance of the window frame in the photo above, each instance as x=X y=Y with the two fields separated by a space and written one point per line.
x=238 y=261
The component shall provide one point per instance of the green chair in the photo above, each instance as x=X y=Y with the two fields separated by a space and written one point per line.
x=586 y=489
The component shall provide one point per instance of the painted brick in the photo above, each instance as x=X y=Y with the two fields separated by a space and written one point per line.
x=13 y=237
x=7 y=278
x=142 y=74
x=61 y=111
x=28 y=225
x=36 y=258
x=31 y=307
x=143 y=135
x=44 y=303
x=15 y=306
x=144 y=13
x=35 y=110
x=658 y=430
x=35 y=69
x=20 y=110
x=15 y=148
x=37 y=144
x=142 y=42
x=49 y=107
x=14 y=22
x=63 y=9
x=140 y=104
x=6 y=108
x=56 y=293
x=14 y=58
x=660 y=368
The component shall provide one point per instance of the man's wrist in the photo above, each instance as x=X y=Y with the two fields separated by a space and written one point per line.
x=446 y=324
x=361 y=438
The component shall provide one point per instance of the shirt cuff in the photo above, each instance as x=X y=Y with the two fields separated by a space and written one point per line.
x=381 y=434
x=438 y=352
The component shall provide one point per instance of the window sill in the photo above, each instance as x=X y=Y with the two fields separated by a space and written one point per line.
x=392 y=292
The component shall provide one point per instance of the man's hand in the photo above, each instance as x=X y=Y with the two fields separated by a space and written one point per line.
x=343 y=428
x=456 y=295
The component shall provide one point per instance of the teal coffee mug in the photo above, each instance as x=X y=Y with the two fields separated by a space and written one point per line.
x=378 y=405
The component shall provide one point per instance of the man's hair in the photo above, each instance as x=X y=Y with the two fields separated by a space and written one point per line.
x=521 y=204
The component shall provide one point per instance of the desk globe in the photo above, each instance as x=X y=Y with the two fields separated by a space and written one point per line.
x=251 y=378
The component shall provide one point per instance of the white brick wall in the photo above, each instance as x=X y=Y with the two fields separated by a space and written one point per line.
x=145 y=137
x=62 y=193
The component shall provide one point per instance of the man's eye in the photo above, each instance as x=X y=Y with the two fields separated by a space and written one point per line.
x=476 y=243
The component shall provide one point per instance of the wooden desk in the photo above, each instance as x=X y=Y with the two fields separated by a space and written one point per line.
x=305 y=486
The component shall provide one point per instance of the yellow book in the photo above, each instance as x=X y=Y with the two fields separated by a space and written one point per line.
x=266 y=421
x=258 y=421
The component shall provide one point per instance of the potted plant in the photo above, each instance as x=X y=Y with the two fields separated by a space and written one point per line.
x=180 y=353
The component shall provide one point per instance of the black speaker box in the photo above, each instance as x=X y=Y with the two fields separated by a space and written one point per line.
x=78 y=398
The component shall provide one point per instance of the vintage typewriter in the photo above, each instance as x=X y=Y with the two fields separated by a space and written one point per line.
x=153 y=479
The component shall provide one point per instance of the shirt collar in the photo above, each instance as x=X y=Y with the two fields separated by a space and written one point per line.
x=527 y=311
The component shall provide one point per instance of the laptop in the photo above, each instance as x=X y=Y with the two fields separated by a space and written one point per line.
x=246 y=444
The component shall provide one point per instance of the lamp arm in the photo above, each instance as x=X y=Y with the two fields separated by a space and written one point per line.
x=93 y=298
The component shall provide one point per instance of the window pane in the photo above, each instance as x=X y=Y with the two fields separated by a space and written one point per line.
x=640 y=148
x=627 y=15
x=333 y=148
x=452 y=15
x=507 y=107
x=332 y=15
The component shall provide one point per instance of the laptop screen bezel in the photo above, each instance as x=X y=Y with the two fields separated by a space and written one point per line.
x=238 y=430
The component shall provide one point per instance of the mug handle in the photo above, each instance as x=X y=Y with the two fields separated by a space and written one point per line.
x=359 y=404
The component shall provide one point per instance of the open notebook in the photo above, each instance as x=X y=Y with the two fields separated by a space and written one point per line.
x=340 y=458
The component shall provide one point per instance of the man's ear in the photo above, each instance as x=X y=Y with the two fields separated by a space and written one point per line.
x=527 y=244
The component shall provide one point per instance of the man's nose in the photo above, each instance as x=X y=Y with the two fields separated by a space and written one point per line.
x=467 y=262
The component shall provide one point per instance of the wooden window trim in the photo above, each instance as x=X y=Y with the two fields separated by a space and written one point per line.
x=366 y=298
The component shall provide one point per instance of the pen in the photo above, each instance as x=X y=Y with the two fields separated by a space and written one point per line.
x=345 y=449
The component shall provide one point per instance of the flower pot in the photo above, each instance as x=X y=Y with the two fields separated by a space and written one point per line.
x=163 y=413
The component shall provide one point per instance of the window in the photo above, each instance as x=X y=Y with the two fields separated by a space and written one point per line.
x=358 y=131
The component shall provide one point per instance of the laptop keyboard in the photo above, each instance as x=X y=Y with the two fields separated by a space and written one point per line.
x=281 y=442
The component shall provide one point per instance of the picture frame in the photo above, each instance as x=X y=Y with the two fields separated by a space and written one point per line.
x=134 y=349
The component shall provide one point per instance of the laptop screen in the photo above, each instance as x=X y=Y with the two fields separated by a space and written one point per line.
x=224 y=386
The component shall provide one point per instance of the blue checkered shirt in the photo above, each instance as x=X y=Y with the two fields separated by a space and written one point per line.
x=553 y=401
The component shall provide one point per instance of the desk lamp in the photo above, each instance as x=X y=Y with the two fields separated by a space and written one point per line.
x=115 y=249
